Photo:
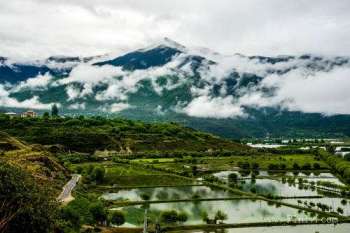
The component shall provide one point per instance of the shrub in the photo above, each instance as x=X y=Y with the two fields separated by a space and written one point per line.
x=232 y=178
x=169 y=216
x=25 y=206
x=306 y=166
x=117 y=218
x=296 y=166
x=182 y=217
x=98 y=212
x=317 y=166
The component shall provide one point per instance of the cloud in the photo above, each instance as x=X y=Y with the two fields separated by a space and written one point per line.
x=322 y=92
x=36 y=83
x=312 y=84
x=72 y=92
x=32 y=103
x=219 y=107
x=77 y=106
x=306 y=85
x=87 y=73
x=116 y=107
x=97 y=27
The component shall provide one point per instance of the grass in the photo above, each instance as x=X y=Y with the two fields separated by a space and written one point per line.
x=129 y=175
x=227 y=163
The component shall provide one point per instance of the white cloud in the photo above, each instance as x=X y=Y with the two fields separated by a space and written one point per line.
x=72 y=92
x=32 y=103
x=322 y=92
x=301 y=89
x=77 y=106
x=218 y=107
x=116 y=107
x=38 y=82
x=87 y=73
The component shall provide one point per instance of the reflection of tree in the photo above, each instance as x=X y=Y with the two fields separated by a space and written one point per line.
x=162 y=195
x=264 y=212
x=146 y=193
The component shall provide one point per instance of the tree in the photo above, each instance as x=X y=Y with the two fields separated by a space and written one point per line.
x=255 y=166
x=70 y=214
x=24 y=206
x=145 y=196
x=194 y=170
x=306 y=166
x=46 y=115
x=232 y=178
x=296 y=166
x=169 y=216
x=182 y=217
x=347 y=157
x=98 y=212
x=220 y=216
x=117 y=218
x=330 y=149
x=283 y=166
x=54 y=110
x=204 y=216
x=317 y=166
x=99 y=174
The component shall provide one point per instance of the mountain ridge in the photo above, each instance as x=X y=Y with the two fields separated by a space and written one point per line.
x=168 y=81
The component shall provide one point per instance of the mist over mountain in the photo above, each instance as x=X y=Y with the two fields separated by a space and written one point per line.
x=230 y=95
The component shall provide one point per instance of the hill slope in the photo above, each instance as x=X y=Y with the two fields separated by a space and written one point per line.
x=97 y=133
x=34 y=159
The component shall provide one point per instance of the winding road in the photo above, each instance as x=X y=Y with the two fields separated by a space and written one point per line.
x=65 y=195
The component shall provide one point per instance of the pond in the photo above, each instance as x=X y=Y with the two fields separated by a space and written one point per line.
x=339 y=228
x=264 y=145
x=237 y=211
x=275 y=186
x=166 y=193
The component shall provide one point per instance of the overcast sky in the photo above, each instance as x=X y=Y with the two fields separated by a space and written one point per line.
x=40 y=28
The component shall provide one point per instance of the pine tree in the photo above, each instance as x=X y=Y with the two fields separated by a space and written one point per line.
x=54 y=110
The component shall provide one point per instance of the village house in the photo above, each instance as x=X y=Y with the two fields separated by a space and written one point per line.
x=29 y=113
x=11 y=114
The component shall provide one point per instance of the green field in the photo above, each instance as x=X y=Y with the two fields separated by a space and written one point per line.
x=227 y=163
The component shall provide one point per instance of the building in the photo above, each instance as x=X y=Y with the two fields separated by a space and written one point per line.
x=29 y=113
x=11 y=114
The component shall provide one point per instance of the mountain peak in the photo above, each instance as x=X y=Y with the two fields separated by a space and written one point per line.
x=165 y=43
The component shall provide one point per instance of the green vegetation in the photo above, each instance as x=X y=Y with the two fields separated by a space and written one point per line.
x=117 y=218
x=113 y=155
x=88 y=134
x=172 y=216
x=338 y=164
x=184 y=165
x=25 y=206
x=54 y=110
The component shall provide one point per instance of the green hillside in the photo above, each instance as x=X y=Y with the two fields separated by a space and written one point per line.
x=88 y=134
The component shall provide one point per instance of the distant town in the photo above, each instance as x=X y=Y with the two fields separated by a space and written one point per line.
x=28 y=113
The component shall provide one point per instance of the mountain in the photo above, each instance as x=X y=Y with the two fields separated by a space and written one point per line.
x=230 y=95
